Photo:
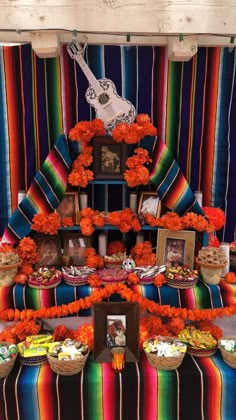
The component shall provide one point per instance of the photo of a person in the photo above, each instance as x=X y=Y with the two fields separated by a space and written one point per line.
x=116 y=331
x=76 y=248
x=174 y=252
x=110 y=159
x=48 y=252
x=150 y=204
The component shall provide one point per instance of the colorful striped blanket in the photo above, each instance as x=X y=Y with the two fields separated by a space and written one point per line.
x=45 y=192
x=201 y=388
x=172 y=187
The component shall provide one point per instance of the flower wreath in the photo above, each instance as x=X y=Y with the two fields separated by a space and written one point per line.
x=136 y=174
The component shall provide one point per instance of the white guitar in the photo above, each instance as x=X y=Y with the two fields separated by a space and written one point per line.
x=111 y=108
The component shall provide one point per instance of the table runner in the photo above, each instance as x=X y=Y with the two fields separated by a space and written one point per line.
x=201 y=388
x=201 y=296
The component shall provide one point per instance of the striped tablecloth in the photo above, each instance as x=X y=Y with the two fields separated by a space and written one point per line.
x=201 y=388
x=201 y=296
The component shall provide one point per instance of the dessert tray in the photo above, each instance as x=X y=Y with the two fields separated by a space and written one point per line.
x=199 y=343
x=45 y=278
x=181 y=277
x=112 y=275
x=77 y=276
x=148 y=273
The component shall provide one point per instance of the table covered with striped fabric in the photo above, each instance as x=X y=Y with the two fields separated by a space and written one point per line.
x=201 y=296
x=201 y=388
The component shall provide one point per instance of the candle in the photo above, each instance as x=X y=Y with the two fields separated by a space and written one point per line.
x=133 y=202
x=139 y=238
x=198 y=196
x=21 y=195
x=102 y=244
x=118 y=359
x=83 y=199
x=225 y=247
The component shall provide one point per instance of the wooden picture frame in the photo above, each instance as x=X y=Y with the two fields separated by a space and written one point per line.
x=126 y=313
x=150 y=203
x=175 y=248
x=48 y=249
x=69 y=206
x=74 y=246
x=109 y=158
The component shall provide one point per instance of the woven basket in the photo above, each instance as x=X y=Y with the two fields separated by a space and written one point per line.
x=229 y=358
x=32 y=361
x=67 y=367
x=112 y=264
x=47 y=285
x=7 y=274
x=182 y=284
x=6 y=367
x=75 y=280
x=164 y=363
x=193 y=351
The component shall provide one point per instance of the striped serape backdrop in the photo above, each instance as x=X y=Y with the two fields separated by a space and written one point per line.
x=172 y=187
x=45 y=192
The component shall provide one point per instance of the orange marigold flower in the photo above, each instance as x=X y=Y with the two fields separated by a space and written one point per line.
x=26 y=269
x=133 y=278
x=142 y=119
x=5 y=247
x=212 y=328
x=89 y=252
x=84 y=334
x=60 y=332
x=216 y=216
x=86 y=226
x=230 y=278
x=115 y=246
x=94 y=280
x=159 y=280
x=67 y=221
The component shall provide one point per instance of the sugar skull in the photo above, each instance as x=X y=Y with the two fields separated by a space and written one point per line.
x=128 y=264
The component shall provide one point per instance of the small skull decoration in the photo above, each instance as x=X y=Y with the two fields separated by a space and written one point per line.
x=128 y=264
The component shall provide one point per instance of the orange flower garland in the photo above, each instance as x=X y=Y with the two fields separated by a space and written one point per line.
x=126 y=293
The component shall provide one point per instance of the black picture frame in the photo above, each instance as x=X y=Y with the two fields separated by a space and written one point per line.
x=101 y=313
x=109 y=158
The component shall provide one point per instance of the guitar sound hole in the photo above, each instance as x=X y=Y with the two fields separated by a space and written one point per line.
x=103 y=98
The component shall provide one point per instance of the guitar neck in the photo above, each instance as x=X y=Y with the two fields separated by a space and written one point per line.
x=90 y=76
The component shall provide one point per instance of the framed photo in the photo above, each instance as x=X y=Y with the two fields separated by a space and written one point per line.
x=69 y=206
x=149 y=203
x=116 y=324
x=175 y=248
x=109 y=158
x=74 y=246
x=48 y=249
